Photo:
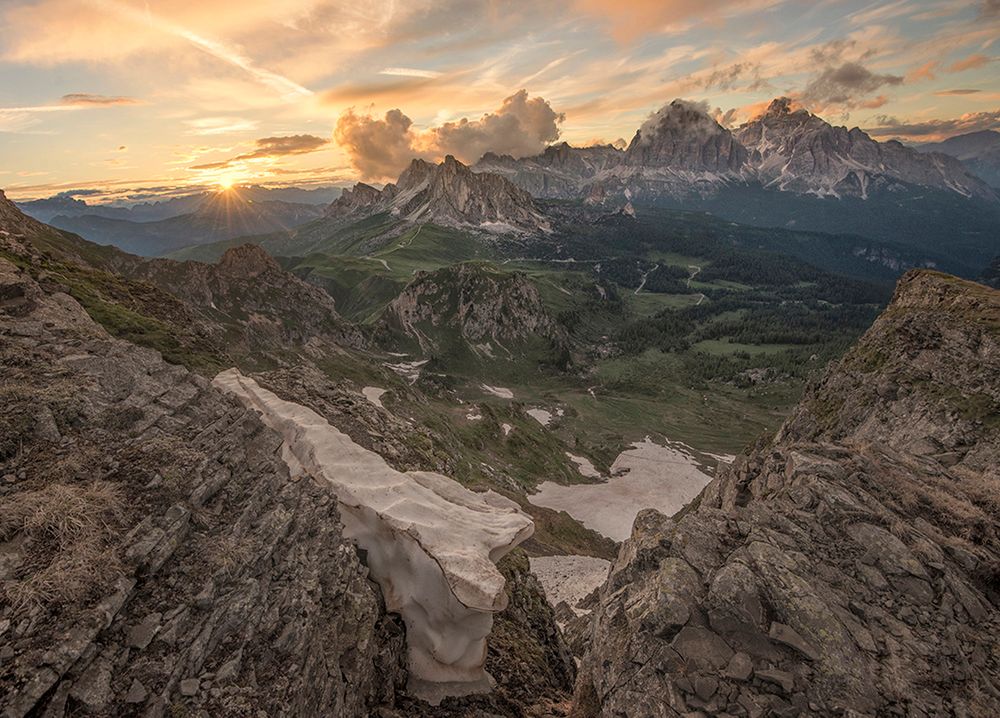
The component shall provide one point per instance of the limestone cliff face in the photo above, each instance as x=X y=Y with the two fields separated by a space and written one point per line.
x=850 y=565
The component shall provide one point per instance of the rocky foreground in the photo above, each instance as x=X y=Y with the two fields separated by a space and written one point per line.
x=158 y=559
x=849 y=566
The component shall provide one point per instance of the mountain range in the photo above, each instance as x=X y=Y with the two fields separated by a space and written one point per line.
x=151 y=210
x=213 y=216
x=978 y=151
x=681 y=151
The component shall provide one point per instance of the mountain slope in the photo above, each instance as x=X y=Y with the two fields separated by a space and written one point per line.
x=850 y=564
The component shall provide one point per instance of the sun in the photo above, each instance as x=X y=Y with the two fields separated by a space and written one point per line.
x=225 y=183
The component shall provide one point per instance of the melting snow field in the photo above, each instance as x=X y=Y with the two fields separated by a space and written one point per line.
x=374 y=395
x=664 y=478
x=569 y=578
x=431 y=543
x=542 y=416
x=498 y=391
x=408 y=370
x=583 y=464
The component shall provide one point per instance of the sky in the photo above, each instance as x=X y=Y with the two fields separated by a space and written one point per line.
x=141 y=98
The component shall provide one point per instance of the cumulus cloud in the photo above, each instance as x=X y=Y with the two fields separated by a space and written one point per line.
x=888 y=126
x=267 y=147
x=521 y=126
x=847 y=85
x=380 y=148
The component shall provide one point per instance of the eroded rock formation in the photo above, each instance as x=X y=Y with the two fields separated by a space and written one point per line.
x=849 y=566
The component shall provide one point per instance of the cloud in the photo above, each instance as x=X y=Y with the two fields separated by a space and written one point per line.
x=85 y=99
x=103 y=30
x=220 y=125
x=409 y=72
x=522 y=126
x=888 y=126
x=924 y=72
x=957 y=92
x=969 y=63
x=629 y=19
x=380 y=148
x=846 y=85
x=270 y=147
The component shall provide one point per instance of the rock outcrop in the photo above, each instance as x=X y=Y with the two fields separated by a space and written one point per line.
x=156 y=557
x=478 y=302
x=847 y=567
x=448 y=194
x=430 y=543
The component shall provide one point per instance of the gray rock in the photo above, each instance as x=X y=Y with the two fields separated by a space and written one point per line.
x=141 y=635
x=788 y=636
x=702 y=648
x=137 y=692
x=781 y=678
x=740 y=667
x=190 y=687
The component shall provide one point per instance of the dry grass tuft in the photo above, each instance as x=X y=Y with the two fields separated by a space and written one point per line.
x=67 y=534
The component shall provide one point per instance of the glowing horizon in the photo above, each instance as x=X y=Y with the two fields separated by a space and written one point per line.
x=131 y=98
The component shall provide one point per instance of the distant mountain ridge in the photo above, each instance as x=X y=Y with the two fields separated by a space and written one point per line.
x=979 y=152
x=153 y=210
x=217 y=216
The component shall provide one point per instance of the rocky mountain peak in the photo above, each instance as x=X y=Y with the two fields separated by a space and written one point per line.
x=682 y=136
x=794 y=150
x=354 y=200
x=449 y=194
x=248 y=260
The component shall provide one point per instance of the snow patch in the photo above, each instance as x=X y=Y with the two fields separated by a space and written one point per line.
x=648 y=475
x=374 y=395
x=408 y=370
x=507 y=428
x=498 y=391
x=542 y=416
x=430 y=542
x=584 y=466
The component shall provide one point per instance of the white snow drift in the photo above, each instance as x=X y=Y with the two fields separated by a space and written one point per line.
x=431 y=543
